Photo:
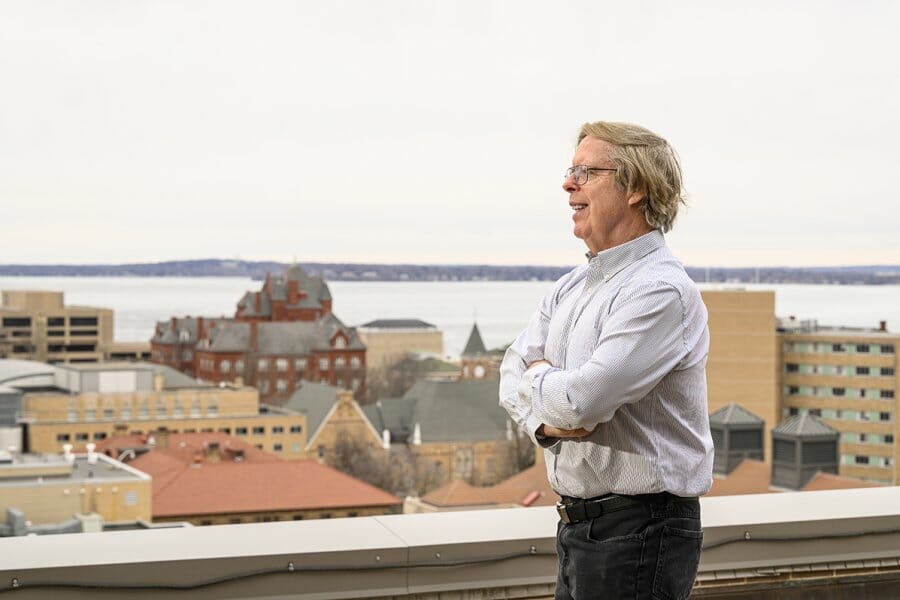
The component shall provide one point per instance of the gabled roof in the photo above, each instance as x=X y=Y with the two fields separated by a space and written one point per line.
x=398 y=324
x=526 y=488
x=446 y=411
x=734 y=414
x=475 y=345
x=315 y=400
x=805 y=425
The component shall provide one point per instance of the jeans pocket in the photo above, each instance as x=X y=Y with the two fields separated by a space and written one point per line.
x=676 y=565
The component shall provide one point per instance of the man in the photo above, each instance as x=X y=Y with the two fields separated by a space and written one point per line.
x=609 y=378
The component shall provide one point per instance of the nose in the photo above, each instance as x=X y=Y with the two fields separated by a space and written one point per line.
x=569 y=184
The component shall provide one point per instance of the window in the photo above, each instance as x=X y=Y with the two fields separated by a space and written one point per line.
x=862 y=460
x=792 y=411
x=887 y=371
x=212 y=410
x=259 y=430
x=323 y=364
x=186 y=355
x=354 y=385
x=73 y=415
x=177 y=411
x=296 y=429
x=81 y=437
x=83 y=321
x=160 y=410
x=17 y=321
x=240 y=431
x=281 y=364
x=277 y=429
x=56 y=321
x=108 y=413
x=340 y=342
x=264 y=386
x=862 y=370
x=863 y=348
x=838 y=348
x=280 y=386
x=299 y=364
x=225 y=430
x=263 y=364
x=816 y=411
x=277 y=447
x=792 y=367
x=862 y=437
x=195 y=408
x=838 y=391
x=354 y=362
x=62 y=437
x=239 y=366
x=887 y=348
x=339 y=362
x=884 y=416
x=100 y=435
x=887 y=393
x=321 y=451
x=125 y=412
x=225 y=366
x=889 y=438
x=144 y=412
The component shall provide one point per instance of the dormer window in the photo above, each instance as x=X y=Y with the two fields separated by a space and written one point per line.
x=340 y=341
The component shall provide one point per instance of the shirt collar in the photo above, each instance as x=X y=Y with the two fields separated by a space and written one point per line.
x=611 y=261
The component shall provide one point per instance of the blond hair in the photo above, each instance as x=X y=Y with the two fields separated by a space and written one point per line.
x=644 y=163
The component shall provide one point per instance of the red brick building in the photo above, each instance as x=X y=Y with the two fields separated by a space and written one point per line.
x=280 y=335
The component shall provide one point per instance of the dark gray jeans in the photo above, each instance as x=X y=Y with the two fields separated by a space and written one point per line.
x=650 y=550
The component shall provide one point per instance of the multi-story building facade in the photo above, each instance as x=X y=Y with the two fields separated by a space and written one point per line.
x=279 y=336
x=848 y=378
x=390 y=341
x=37 y=325
x=90 y=403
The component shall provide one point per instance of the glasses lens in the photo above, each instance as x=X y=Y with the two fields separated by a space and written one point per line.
x=579 y=173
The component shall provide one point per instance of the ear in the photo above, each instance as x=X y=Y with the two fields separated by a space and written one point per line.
x=636 y=197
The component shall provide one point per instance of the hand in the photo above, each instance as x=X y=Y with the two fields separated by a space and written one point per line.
x=556 y=432
x=539 y=362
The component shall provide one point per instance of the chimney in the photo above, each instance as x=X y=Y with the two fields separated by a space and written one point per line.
x=200 y=328
x=254 y=339
x=92 y=455
x=293 y=295
x=256 y=298
x=67 y=453
x=386 y=439
x=213 y=452
x=162 y=437
x=417 y=435
x=882 y=325
x=173 y=323
x=159 y=381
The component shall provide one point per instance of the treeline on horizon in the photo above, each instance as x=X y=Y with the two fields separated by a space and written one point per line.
x=859 y=275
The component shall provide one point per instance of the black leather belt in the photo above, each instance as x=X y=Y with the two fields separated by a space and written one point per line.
x=576 y=511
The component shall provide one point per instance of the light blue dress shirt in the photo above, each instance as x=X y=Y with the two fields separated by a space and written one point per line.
x=627 y=339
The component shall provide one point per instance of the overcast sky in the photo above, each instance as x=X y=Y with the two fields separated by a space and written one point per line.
x=438 y=132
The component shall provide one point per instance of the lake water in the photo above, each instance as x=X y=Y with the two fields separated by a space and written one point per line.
x=501 y=308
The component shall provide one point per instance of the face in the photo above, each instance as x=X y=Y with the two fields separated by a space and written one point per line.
x=604 y=215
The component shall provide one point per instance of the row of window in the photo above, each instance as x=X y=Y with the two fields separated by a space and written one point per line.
x=51 y=321
x=143 y=412
x=871 y=461
x=838 y=348
x=838 y=370
x=837 y=414
x=278 y=364
x=838 y=392
x=256 y=430
x=853 y=437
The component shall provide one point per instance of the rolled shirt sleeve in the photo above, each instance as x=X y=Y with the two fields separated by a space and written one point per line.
x=640 y=341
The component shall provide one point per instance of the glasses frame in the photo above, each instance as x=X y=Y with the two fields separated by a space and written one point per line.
x=575 y=171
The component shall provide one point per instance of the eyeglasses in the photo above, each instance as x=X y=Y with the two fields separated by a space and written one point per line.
x=581 y=172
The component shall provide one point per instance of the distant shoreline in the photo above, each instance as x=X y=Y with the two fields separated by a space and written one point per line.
x=860 y=275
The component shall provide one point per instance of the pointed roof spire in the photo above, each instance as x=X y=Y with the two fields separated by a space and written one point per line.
x=475 y=345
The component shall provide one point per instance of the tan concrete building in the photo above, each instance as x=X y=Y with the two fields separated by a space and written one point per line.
x=53 y=489
x=848 y=378
x=37 y=325
x=92 y=402
x=743 y=363
x=389 y=341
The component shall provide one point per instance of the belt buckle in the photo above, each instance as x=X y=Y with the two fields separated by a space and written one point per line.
x=563 y=513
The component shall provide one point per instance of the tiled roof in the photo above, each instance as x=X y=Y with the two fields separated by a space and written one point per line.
x=398 y=324
x=282 y=337
x=314 y=400
x=734 y=414
x=754 y=477
x=463 y=410
x=185 y=484
x=805 y=425
x=526 y=488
